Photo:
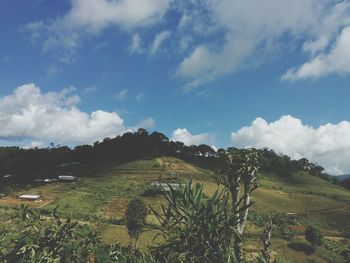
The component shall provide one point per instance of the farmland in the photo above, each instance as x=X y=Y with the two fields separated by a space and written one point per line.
x=100 y=201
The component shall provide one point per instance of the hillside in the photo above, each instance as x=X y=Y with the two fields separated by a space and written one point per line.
x=343 y=177
x=102 y=198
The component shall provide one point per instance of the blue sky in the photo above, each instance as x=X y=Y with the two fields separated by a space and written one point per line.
x=198 y=70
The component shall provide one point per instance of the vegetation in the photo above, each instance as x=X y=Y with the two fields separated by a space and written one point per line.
x=54 y=241
x=292 y=194
x=239 y=171
x=345 y=183
x=266 y=240
x=196 y=228
x=135 y=218
x=28 y=164
x=313 y=236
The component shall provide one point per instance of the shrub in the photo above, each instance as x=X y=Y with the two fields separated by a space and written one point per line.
x=152 y=191
x=313 y=236
x=280 y=221
x=135 y=218
x=196 y=228
x=52 y=241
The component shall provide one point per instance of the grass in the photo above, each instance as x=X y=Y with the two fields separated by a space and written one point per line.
x=105 y=197
x=111 y=233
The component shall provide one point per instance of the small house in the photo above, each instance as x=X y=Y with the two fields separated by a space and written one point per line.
x=291 y=215
x=29 y=197
x=66 y=178
x=48 y=181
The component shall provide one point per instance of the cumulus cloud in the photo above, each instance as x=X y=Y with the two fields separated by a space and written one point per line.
x=28 y=113
x=251 y=31
x=337 y=60
x=93 y=16
x=328 y=144
x=158 y=40
x=183 y=135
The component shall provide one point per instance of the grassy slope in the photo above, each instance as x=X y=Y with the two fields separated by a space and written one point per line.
x=106 y=195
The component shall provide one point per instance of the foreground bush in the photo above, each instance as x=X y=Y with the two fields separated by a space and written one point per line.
x=196 y=228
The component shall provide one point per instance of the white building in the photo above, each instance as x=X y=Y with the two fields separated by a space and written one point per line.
x=50 y=180
x=29 y=197
x=66 y=178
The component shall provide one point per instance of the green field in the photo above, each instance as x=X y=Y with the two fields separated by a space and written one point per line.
x=101 y=201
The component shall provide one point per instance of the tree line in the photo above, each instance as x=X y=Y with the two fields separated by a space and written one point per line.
x=29 y=164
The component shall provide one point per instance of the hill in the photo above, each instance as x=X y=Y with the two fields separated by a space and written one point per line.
x=101 y=200
x=343 y=177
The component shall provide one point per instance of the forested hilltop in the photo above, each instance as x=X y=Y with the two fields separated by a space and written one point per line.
x=28 y=164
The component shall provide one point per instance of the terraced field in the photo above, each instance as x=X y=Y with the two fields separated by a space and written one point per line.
x=102 y=200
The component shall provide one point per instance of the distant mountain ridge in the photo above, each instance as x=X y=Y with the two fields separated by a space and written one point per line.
x=343 y=177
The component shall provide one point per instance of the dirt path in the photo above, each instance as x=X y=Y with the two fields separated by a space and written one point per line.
x=49 y=202
x=329 y=210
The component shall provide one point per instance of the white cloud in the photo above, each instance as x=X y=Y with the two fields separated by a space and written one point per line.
x=336 y=18
x=337 y=60
x=328 y=144
x=28 y=113
x=121 y=94
x=34 y=144
x=158 y=40
x=218 y=36
x=93 y=16
x=247 y=33
x=183 y=135
x=203 y=64
x=148 y=123
x=136 y=44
